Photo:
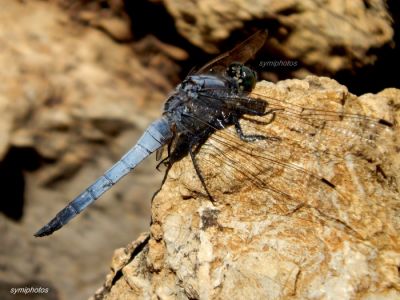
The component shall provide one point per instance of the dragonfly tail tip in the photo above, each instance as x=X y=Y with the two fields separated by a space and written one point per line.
x=43 y=232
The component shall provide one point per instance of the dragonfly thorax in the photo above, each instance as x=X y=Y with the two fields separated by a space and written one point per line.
x=198 y=103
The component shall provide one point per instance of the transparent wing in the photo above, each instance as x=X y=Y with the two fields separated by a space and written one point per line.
x=340 y=129
x=291 y=169
x=241 y=53
x=307 y=129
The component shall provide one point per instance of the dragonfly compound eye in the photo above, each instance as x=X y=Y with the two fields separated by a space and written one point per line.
x=245 y=77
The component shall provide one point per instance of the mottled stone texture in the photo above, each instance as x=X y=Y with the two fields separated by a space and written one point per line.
x=324 y=35
x=253 y=242
x=72 y=101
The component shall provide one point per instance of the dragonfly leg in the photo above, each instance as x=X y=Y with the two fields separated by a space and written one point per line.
x=164 y=161
x=197 y=168
x=261 y=114
x=259 y=122
x=251 y=137
x=167 y=160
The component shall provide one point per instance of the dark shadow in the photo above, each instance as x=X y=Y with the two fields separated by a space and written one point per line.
x=153 y=19
x=12 y=182
x=386 y=71
x=149 y=18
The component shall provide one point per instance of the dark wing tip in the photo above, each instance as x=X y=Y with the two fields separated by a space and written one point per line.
x=385 y=122
x=327 y=182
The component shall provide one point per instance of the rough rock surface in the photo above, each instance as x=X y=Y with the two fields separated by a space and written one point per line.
x=328 y=36
x=255 y=243
x=72 y=101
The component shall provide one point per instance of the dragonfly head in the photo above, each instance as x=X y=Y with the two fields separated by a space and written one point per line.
x=245 y=77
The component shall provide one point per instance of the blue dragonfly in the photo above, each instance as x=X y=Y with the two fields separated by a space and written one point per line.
x=189 y=117
x=215 y=97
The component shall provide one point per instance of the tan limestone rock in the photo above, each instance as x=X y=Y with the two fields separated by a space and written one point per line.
x=328 y=36
x=274 y=231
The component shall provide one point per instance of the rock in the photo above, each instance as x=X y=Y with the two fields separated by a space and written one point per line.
x=160 y=56
x=120 y=259
x=118 y=29
x=280 y=233
x=326 y=37
x=72 y=101
x=108 y=16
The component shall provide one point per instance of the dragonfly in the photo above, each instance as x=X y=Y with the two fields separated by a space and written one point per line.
x=221 y=95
